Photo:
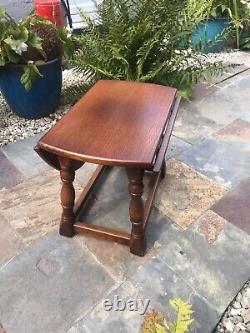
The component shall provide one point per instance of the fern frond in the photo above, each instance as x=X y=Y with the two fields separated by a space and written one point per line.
x=138 y=40
x=71 y=94
x=154 y=322
x=142 y=56
x=184 y=313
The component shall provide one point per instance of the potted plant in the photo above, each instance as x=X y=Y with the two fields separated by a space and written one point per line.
x=210 y=34
x=30 y=65
x=224 y=14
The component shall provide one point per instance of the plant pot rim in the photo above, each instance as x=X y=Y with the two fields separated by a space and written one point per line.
x=38 y=65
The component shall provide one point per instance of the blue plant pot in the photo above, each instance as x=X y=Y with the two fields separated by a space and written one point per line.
x=208 y=31
x=44 y=95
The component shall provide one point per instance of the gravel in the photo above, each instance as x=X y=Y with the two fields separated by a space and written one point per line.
x=237 y=317
x=14 y=128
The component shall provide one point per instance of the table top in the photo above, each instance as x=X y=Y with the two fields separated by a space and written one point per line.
x=114 y=123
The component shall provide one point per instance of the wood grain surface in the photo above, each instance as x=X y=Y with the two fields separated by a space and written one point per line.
x=115 y=123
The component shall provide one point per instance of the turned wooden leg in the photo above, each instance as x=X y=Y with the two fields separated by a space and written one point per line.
x=67 y=197
x=136 y=211
x=163 y=170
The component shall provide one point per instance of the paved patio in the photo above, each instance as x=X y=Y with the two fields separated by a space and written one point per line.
x=198 y=235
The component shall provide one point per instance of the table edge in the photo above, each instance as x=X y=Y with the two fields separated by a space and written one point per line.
x=93 y=159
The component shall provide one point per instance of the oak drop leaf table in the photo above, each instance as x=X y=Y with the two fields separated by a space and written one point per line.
x=116 y=123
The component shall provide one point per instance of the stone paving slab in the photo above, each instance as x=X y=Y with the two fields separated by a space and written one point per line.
x=238 y=93
x=200 y=119
x=233 y=72
x=185 y=194
x=10 y=242
x=9 y=175
x=109 y=203
x=49 y=286
x=109 y=207
x=203 y=116
x=217 y=109
x=176 y=146
x=236 y=74
x=192 y=127
x=211 y=225
x=238 y=130
x=182 y=196
x=225 y=162
x=201 y=90
x=116 y=257
x=33 y=208
x=84 y=173
x=235 y=206
x=24 y=158
x=215 y=271
x=156 y=282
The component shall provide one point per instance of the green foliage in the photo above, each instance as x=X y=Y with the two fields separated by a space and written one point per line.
x=155 y=322
x=66 y=40
x=144 y=40
x=56 y=41
x=245 y=43
x=2 y=11
x=30 y=76
x=238 y=13
x=72 y=93
x=28 y=41
x=14 y=40
x=184 y=313
x=197 y=11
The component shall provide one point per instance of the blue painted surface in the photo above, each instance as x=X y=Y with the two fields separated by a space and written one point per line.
x=44 y=95
x=208 y=31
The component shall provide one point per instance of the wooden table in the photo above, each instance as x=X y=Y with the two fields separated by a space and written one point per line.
x=117 y=123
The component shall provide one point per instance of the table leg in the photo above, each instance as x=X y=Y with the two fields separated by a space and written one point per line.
x=163 y=170
x=67 y=197
x=136 y=211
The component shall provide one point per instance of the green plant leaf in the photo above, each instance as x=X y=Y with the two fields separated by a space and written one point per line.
x=223 y=8
x=24 y=34
x=2 y=60
x=18 y=46
x=11 y=56
x=2 y=32
x=154 y=321
x=184 y=313
x=65 y=37
x=35 y=41
x=160 y=329
x=30 y=76
x=245 y=43
x=2 y=11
